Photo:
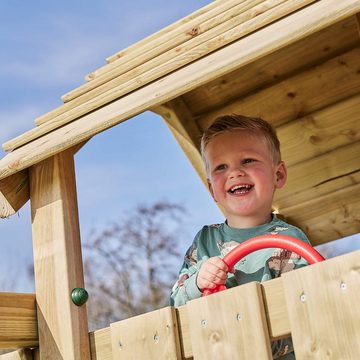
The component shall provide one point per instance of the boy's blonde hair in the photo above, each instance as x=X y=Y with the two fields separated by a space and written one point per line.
x=234 y=122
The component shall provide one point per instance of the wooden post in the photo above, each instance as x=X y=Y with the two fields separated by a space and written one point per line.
x=63 y=328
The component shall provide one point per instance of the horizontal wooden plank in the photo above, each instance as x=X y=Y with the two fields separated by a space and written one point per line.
x=22 y=354
x=299 y=95
x=14 y=193
x=320 y=132
x=18 y=321
x=214 y=35
x=153 y=39
x=260 y=43
x=303 y=54
x=324 y=168
x=100 y=344
x=178 y=35
x=329 y=217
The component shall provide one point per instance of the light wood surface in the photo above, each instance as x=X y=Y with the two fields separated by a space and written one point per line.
x=149 y=336
x=322 y=306
x=100 y=344
x=260 y=43
x=22 y=354
x=18 y=322
x=14 y=193
x=300 y=94
x=228 y=323
x=63 y=332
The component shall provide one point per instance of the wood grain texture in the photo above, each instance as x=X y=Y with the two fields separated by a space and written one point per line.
x=63 y=331
x=322 y=302
x=18 y=321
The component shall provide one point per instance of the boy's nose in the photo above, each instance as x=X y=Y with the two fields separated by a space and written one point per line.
x=236 y=172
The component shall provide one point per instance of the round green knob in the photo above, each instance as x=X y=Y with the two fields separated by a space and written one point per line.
x=79 y=296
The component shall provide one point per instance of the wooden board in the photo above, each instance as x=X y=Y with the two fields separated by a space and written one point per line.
x=227 y=323
x=300 y=94
x=322 y=302
x=149 y=336
x=100 y=344
x=18 y=322
x=63 y=331
x=14 y=193
x=264 y=41
x=22 y=354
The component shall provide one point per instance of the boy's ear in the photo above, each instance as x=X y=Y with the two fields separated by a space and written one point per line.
x=281 y=175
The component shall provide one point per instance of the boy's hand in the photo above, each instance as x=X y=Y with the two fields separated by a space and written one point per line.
x=212 y=273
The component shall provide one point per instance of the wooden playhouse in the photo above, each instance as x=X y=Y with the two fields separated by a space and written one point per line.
x=295 y=63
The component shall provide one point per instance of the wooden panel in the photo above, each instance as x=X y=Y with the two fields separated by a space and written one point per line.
x=324 y=168
x=113 y=85
x=63 y=332
x=184 y=332
x=212 y=8
x=275 y=307
x=330 y=217
x=296 y=57
x=180 y=122
x=100 y=344
x=226 y=323
x=297 y=96
x=149 y=336
x=22 y=354
x=180 y=38
x=14 y=193
x=267 y=40
x=325 y=318
x=320 y=132
x=18 y=324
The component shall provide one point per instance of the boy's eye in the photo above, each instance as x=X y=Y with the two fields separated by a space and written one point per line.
x=220 y=167
x=248 y=161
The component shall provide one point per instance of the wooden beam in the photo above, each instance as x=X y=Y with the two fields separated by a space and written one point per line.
x=170 y=37
x=329 y=217
x=179 y=120
x=63 y=328
x=299 y=56
x=320 y=132
x=100 y=344
x=18 y=322
x=14 y=193
x=300 y=94
x=177 y=52
x=161 y=35
x=279 y=34
x=22 y=354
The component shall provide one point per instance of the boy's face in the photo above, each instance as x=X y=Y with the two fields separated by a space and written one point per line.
x=243 y=177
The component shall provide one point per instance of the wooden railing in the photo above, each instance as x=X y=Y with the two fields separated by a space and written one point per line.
x=316 y=305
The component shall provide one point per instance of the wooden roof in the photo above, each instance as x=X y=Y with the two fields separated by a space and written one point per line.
x=294 y=63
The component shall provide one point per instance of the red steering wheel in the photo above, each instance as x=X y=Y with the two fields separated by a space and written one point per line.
x=263 y=242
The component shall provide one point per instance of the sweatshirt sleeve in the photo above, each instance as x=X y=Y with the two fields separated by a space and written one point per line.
x=185 y=288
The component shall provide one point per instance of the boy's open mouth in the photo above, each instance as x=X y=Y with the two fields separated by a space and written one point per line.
x=240 y=189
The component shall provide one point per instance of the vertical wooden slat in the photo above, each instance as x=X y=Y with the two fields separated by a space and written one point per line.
x=230 y=324
x=149 y=336
x=63 y=329
x=323 y=307
x=22 y=354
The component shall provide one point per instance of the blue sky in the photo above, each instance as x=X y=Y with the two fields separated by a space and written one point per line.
x=47 y=47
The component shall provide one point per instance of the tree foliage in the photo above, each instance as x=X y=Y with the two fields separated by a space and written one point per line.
x=131 y=265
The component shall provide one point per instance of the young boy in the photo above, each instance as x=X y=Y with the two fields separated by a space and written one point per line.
x=244 y=168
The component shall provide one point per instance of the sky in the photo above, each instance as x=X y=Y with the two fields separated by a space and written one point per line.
x=47 y=48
